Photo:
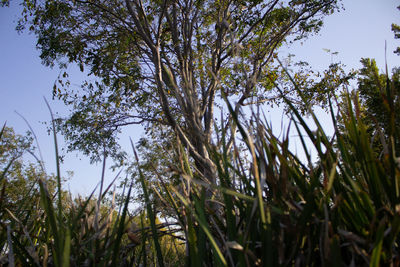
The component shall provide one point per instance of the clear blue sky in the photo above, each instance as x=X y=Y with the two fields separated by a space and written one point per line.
x=358 y=31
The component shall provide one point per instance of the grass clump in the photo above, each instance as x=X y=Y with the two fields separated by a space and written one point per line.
x=269 y=207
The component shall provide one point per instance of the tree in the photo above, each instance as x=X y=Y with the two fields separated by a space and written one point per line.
x=19 y=177
x=165 y=62
x=396 y=31
x=379 y=97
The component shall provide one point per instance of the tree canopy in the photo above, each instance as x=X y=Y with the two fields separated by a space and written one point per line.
x=18 y=176
x=379 y=98
x=396 y=31
x=165 y=62
x=170 y=65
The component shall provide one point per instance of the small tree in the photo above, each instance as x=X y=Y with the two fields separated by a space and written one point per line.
x=18 y=179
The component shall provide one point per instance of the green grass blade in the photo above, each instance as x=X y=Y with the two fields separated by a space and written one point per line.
x=150 y=213
x=120 y=229
x=203 y=224
x=66 y=248
x=52 y=218
x=377 y=251
x=57 y=161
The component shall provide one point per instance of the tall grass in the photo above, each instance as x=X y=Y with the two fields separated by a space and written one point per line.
x=269 y=207
x=277 y=209
x=50 y=228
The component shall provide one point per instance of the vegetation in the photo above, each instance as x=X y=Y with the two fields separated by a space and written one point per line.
x=371 y=87
x=216 y=191
x=38 y=230
x=273 y=208
x=165 y=63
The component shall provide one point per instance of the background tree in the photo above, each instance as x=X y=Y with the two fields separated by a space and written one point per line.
x=18 y=179
x=396 y=31
x=20 y=198
x=379 y=96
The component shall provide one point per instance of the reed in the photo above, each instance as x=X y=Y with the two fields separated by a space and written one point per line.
x=269 y=207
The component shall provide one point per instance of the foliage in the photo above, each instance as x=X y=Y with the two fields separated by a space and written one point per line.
x=379 y=98
x=276 y=210
x=13 y=146
x=164 y=62
x=396 y=31
x=210 y=198
x=316 y=87
x=34 y=232
x=4 y=3
x=18 y=177
x=269 y=209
